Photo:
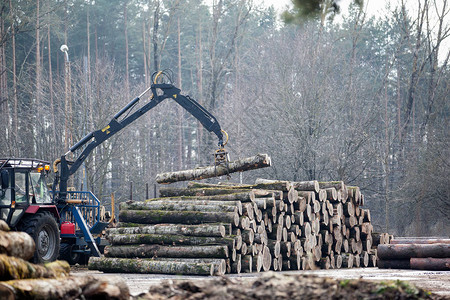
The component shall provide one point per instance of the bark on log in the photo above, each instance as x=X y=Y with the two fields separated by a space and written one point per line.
x=325 y=263
x=205 y=230
x=347 y=260
x=246 y=264
x=268 y=184
x=419 y=240
x=393 y=264
x=220 y=265
x=17 y=244
x=406 y=251
x=163 y=239
x=430 y=263
x=149 y=266
x=180 y=217
x=192 y=205
x=4 y=226
x=312 y=185
x=338 y=185
x=204 y=194
x=73 y=287
x=231 y=185
x=149 y=251
x=250 y=163
x=17 y=268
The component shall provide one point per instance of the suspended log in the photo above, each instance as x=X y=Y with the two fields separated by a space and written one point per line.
x=18 y=244
x=430 y=263
x=127 y=265
x=250 y=163
x=73 y=287
x=180 y=217
x=17 y=268
x=206 y=230
x=149 y=251
x=406 y=251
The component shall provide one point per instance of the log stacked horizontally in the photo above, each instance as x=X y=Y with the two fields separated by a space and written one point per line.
x=212 y=229
x=20 y=279
x=415 y=253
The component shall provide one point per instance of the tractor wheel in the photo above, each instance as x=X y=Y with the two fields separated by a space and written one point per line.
x=66 y=253
x=42 y=227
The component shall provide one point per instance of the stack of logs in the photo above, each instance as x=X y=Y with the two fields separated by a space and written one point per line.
x=20 y=279
x=415 y=253
x=210 y=229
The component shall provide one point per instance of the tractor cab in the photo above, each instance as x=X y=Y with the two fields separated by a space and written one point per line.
x=23 y=188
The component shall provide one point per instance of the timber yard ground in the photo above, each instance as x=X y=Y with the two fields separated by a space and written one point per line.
x=437 y=282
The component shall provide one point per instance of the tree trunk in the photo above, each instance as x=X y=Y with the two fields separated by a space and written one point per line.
x=429 y=263
x=204 y=230
x=16 y=268
x=148 y=251
x=73 y=287
x=242 y=194
x=255 y=162
x=175 y=240
x=338 y=185
x=178 y=217
x=420 y=240
x=404 y=251
x=120 y=265
x=181 y=206
x=393 y=264
x=17 y=244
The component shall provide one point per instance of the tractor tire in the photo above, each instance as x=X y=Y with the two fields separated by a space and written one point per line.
x=43 y=228
x=66 y=253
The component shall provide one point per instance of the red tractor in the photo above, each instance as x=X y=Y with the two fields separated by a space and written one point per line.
x=67 y=219
x=26 y=204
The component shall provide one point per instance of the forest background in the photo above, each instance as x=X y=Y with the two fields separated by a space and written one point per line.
x=363 y=100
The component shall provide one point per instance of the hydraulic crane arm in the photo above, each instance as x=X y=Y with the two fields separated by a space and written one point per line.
x=160 y=91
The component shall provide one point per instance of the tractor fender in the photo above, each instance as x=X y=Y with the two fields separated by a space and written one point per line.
x=33 y=209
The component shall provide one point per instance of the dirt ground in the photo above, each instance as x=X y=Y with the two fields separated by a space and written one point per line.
x=437 y=282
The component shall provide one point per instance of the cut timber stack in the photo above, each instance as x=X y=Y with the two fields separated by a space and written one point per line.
x=415 y=253
x=211 y=229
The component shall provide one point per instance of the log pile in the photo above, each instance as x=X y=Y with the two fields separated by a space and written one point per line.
x=415 y=253
x=212 y=229
x=20 y=279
